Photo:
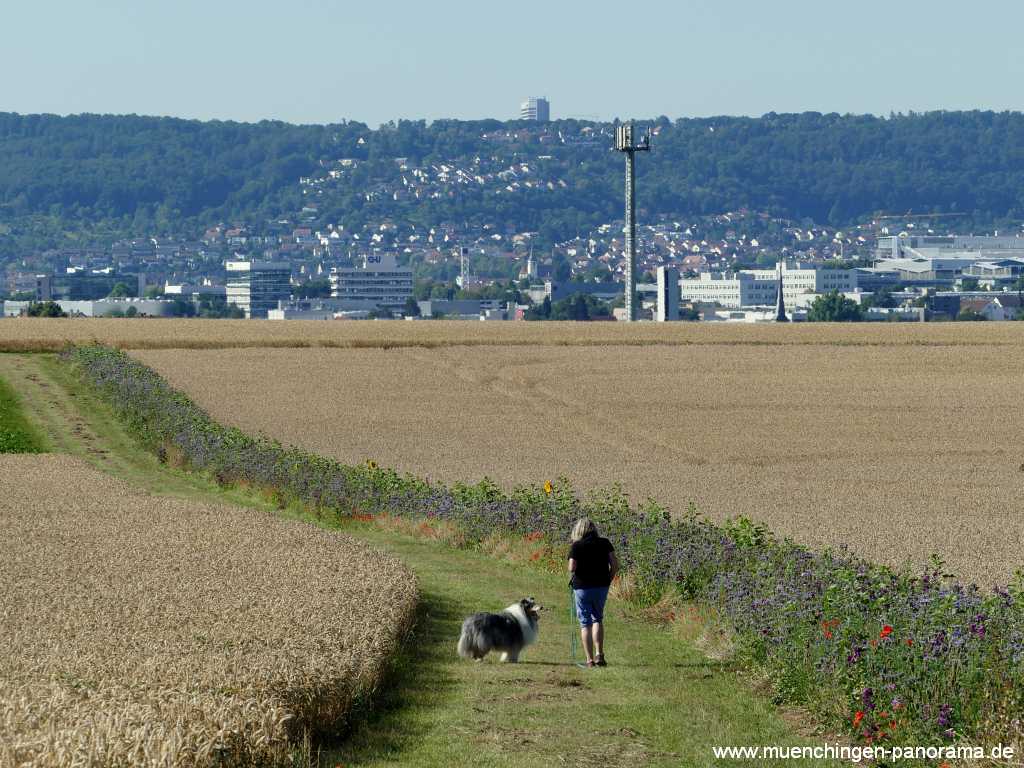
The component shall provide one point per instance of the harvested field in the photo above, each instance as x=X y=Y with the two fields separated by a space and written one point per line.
x=146 y=631
x=46 y=334
x=897 y=450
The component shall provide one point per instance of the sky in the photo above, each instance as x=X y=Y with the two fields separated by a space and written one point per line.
x=321 y=61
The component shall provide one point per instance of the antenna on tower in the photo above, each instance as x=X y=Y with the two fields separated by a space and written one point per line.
x=624 y=143
x=780 y=302
x=463 y=279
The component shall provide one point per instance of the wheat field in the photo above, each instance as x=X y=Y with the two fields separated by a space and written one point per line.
x=146 y=631
x=47 y=334
x=898 y=449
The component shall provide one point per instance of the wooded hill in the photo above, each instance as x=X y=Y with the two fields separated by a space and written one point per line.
x=130 y=175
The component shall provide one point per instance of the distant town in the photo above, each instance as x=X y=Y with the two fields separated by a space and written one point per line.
x=724 y=267
x=319 y=275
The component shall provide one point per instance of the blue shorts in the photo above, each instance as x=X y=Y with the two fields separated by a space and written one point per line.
x=590 y=604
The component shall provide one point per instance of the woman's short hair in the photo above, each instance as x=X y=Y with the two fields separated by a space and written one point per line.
x=583 y=527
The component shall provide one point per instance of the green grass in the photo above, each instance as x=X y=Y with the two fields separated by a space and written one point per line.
x=659 y=703
x=17 y=433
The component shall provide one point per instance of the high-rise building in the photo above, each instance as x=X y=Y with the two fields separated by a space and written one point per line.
x=668 y=295
x=535 y=108
x=380 y=282
x=255 y=287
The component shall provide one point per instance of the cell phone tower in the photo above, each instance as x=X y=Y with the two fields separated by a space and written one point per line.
x=624 y=143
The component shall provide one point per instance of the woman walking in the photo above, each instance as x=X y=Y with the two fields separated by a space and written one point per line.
x=593 y=565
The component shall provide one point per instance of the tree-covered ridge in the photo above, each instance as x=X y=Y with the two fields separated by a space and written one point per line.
x=143 y=175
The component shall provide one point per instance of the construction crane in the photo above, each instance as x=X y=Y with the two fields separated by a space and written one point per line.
x=880 y=216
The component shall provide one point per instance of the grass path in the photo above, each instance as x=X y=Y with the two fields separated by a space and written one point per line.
x=17 y=434
x=659 y=703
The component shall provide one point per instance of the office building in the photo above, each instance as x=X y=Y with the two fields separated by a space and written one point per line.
x=77 y=284
x=256 y=287
x=801 y=282
x=535 y=108
x=380 y=282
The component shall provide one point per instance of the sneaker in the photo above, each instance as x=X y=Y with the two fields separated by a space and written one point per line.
x=601 y=662
x=591 y=663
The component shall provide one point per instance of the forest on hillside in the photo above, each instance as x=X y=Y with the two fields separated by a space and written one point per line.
x=131 y=175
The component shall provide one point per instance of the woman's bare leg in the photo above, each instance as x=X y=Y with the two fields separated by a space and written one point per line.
x=588 y=643
x=597 y=630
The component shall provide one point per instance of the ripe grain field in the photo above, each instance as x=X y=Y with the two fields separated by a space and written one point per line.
x=141 y=630
x=48 y=334
x=894 y=441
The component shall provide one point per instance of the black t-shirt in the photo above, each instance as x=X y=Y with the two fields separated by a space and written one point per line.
x=593 y=562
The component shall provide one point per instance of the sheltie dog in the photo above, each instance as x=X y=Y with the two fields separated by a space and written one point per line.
x=508 y=632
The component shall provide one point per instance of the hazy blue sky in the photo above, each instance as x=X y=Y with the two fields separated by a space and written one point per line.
x=324 y=60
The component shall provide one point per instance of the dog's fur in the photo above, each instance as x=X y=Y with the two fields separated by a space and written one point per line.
x=508 y=632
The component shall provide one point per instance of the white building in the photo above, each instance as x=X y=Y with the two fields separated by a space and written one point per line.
x=728 y=289
x=801 y=282
x=535 y=108
x=256 y=287
x=668 y=295
x=380 y=282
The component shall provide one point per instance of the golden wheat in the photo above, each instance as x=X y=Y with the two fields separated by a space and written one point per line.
x=46 y=334
x=897 y=451
x=139 y=630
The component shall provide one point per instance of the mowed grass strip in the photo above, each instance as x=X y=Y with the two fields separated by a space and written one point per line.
x=17 y=434
x=150 y=631
x=660 y=702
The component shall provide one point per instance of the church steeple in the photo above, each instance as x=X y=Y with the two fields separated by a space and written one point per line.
x=780 y=302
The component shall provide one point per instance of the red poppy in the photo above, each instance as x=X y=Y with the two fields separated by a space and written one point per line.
x=857 y=718
x=828 y=634
x=886 y=631
x=910 y=642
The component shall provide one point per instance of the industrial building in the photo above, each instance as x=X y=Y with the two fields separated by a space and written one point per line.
x=256 y=287
x=99 y=308
x=994 y=274
x=380 y=282
x=970 y=247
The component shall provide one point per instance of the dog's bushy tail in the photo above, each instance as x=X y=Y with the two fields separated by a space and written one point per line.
x=464 y=646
